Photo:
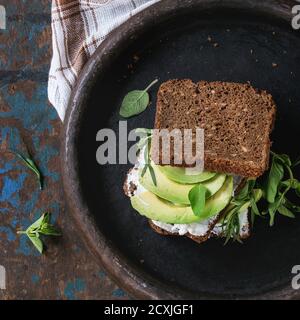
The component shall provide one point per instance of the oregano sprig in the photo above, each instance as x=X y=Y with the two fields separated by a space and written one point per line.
x=247 y=197
x=40 y=227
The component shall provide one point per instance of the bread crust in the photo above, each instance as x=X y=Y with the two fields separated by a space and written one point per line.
x=198 y=239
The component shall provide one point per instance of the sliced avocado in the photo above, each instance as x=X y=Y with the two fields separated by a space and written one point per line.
x=180 y=175
x=218 y=201
x=173 y=191
x=155 y=208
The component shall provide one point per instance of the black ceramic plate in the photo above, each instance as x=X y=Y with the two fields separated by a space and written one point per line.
x=171 y=41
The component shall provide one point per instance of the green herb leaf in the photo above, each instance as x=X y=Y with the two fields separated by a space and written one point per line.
x=144 y=170
x=290 y=183
x=148 y=161
x=275 y=176
x=231 y=225
x=135 y=102
x=285 y=212
x=296 y=162
x=39 y=222
x=284 y=158
x=273 y=207
x=254 y=206
x=291 y=206
x=143 y=131
x=197 y=196
x=40 y=226
x=37 y=243
x=152 y=173
x=245 y=191
x=32 y=166
x=49 y=230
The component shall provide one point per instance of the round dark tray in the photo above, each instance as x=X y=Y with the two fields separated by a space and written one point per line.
x=170 y=39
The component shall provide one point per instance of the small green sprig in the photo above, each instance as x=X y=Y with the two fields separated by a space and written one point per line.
x=41 y=227
x=145 y=142
x=247 y=197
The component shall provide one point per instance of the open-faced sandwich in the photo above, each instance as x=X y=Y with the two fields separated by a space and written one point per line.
x=213 y=202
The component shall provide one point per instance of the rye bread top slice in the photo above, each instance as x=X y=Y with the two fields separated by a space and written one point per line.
x=237 y=120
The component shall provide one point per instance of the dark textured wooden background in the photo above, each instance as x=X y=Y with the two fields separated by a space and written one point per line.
x=67 y=270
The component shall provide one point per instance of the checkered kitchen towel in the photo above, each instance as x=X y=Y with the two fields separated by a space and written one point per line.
x=78 y=28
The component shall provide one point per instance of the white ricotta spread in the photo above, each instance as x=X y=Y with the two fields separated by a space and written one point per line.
x=196 y=229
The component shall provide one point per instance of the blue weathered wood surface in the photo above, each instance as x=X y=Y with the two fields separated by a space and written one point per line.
x=67 y=270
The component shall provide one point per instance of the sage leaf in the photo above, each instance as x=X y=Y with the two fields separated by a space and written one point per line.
x=197 y=196
x=135 y=102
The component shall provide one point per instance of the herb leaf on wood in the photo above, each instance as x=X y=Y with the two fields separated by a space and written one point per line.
x=42 y=226
x=32 y=166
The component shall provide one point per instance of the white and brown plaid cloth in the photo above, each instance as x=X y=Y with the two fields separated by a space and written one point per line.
x=78 y=28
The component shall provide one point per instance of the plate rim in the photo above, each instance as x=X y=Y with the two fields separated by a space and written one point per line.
x=135 y=281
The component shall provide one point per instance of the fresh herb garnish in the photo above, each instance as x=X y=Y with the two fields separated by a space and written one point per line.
x=277 y=188
x=144 y=145
x=41 y=227
x=32 y=166
x=247 y=197
x=136 y=101
x=275 y=176
x=280 y=181
x=197 y=196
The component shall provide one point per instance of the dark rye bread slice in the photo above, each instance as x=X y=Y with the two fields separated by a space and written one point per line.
x=237 y=121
